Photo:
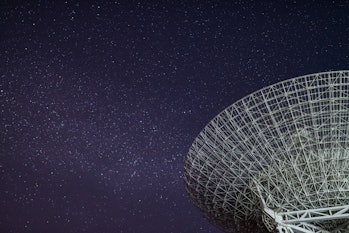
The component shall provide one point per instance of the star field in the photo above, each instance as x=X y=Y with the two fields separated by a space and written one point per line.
x=100 y=101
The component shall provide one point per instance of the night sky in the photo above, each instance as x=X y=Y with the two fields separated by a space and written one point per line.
x=100 y=101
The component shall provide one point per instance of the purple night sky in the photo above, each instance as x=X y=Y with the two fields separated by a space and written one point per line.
x=100 y=101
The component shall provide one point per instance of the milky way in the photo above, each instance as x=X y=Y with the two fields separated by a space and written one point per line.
x=101 y=101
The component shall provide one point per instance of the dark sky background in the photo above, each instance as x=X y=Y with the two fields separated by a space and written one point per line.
x=100 y=101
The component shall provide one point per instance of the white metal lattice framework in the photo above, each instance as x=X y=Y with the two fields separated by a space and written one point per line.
x=281 y=154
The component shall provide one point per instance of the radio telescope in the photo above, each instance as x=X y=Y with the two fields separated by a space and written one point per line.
x=277 y=160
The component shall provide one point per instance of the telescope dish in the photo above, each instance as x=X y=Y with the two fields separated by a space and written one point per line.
x=278 y=159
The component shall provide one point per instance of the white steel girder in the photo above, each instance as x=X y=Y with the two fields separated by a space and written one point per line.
x=301 y=221
x=322 y=214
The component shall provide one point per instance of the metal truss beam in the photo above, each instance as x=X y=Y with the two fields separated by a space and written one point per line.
x=303 y=221
x=316 y=215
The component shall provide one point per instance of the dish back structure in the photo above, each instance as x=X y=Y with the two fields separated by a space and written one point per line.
x=277 y=159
